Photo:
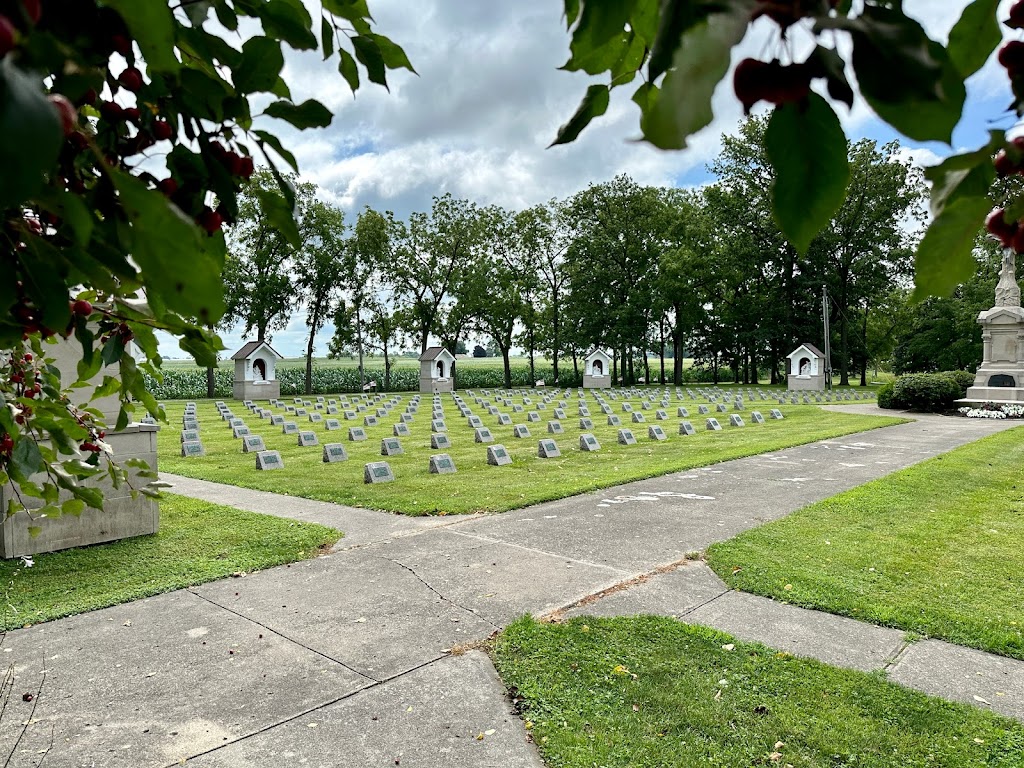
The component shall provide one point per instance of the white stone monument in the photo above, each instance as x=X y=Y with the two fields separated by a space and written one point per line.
x=806 y=368
x=437 y=370
x=255 y=377
x=1000 y=378
x=597 y=370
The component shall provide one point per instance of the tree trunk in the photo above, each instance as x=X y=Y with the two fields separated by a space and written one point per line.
x=864 y=349
x=211 y=383
x=387 y=366
x=359 y=343
x=533 y=370
x=575 y=364
x=309 y=364
x=661 y=339
x=554 y=339
x=844 y=351
x=507 y=364
x=615 y=367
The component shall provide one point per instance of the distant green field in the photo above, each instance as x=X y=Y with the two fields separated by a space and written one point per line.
x=373 y=361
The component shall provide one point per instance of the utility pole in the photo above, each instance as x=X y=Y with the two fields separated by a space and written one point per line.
x=828 y=337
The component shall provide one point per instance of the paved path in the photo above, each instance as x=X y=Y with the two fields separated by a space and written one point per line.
x=356 y=658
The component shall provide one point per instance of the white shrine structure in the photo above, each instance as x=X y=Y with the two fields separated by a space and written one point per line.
x=807 y=368
x=597 y=370
x=255 y=378
x=437 y=370
x=1000 y=377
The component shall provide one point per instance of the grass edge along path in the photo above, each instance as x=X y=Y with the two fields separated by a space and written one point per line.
x=477 y=487
x=932 y=549
x=651 y=691
x=197 y=542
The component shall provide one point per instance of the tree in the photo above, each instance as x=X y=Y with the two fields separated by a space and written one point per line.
x=109 y=165
x=681 y=49
x=319 y=267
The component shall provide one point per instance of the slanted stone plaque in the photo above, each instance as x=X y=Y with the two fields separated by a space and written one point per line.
x=334 y=452
x=241 y=431
x=332 y=424
x=391 y=446
x=307 y=438
x=703 y=410
x=589 y=443
x=369 y=421
x=520 y=431
x=474 y=422
x=582 y=411
x=548 y=449
x=639 y=418
x=381 y=412
x=497 y=456
x=400 y=430
x=756 y=417
x=517 y=409
x=775 y=413
x=332 y=410
x=504 y=420
x=655 y=432
x=555 y=428
x=625 y=437
x=316 y=417
x=290 y=428
x=712 y=425
x=482 y=435
x=440 y=440
x=735 y=420
x=406 y=418
x=442 y=464
x=686 y=428
x=350 y=415
x=277 y=421
x=356 y=434
x=378 y=472
x=586 y=423
x=721 y=408
x=661 y=415
x=269 y=460
x=627 y=408
x=558 y=413
x=191 y=448
x=253 y=444
x=533 y=416
x=189 y=435
x=236 y=422
x=614 y=421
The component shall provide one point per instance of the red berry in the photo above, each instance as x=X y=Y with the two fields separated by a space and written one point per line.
x=133 y=114
x=112 y=111
x=168 y=186
x=999 y=228
x=209 y=220
x=6 y=444
x=131 y=79
x=17 y=378
x=1011 y=56
x=82 y=307
x=162 y=130
x=65 y=111
x=7 y=36
x=247 y=167
x=1004 y=165
x=748 y=82
x=121 y=44
x=78 y=140
x=33 y=9
x=89 y=97
x=1016 y=20
x=28 y=357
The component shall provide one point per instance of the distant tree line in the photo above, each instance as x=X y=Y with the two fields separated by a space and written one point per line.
x=643 y=272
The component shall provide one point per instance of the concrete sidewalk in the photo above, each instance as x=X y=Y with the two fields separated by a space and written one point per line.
x=348 y=659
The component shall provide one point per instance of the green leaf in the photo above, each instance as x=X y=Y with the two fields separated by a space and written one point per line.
x=945 y=257
x=594 y=104
x=676 y=18
x=969 y=174
x=73 y=507
x=279 y=215
x=260 y=67
x=276 y=145
x=392 y=53
x=180 y=267
x=31 y=135
x=309 y=114
x=370 y=56
x=349 y=69
x=288 y=20
x=26 y=459
x=599 y=24
x=974 y=37
x=807 y=148
x=34 y=531
x=683 y=104
x=44 y=282
x=327 y=37
x=152 y=25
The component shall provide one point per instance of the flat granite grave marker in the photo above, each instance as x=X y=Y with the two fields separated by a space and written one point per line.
x=241 y=431
x=277 y=421
x=703 y=410
x=712 y=425
x=682 y=413
x=548 y=449
x=581 y=411
x=614 y=421
x=661 y=415
x=558 y=413
x=442 y=464
x=316 y=418
x=721 y=408
x=586 y=423
x=290 y=428
x=756 y=417
x=626 y=437
x=378 y=472
x=555 y=428
x=627 y=408
x=482 y=435
x=192 y=448
x=400 y=430
x=497 y=456
x=350 y=415
x=253 y=444
x=686 y=428
x=735 y=420
x=236 y=422
x=189 y=435
x=533 y=416
x=331 y=424
x=474 y=422
x=369 y=421
x=655 y=432
x=356 y=434
x=307 y=439
x=520 y=430
x=440 y=440
x=589 y=443
x=391 y=446
x=406 y=418
x=504 y=420
x=269 y=460
x=775 y=413
x=639 y=418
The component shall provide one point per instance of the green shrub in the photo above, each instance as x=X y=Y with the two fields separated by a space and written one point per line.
x=925 y=392
x=884 y=396
x=963 y=380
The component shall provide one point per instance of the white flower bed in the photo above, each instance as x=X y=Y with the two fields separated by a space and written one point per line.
x=992 y=411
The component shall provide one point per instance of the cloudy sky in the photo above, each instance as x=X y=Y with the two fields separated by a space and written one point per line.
x=488 y=99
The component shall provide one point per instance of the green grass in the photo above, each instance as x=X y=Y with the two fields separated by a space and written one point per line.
x=648 y=691
x=477 y=486
x=934 y=549
x=197 y=542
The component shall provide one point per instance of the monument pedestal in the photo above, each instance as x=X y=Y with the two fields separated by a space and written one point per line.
x=1000 y=376
x=801 y=382
x=256 y=390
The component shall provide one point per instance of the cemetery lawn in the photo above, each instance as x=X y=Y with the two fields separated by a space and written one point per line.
x=476 y=486
x=197 y=542
x=934 y=549
x=651 y=691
